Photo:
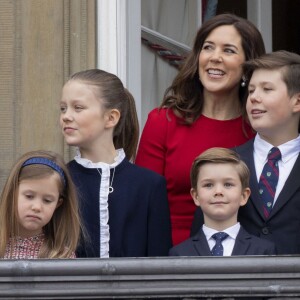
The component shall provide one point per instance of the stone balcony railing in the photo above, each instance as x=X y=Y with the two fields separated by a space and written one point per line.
x=257 y=277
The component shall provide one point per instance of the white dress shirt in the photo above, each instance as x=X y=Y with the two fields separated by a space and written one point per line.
x=228 y=243
x=289 y=153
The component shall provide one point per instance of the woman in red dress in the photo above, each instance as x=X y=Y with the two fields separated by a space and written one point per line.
x=203 y=108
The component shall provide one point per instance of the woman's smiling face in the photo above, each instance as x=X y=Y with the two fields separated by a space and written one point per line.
x=220 y=60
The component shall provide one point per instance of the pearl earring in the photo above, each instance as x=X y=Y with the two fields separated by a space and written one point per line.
x=243 y=83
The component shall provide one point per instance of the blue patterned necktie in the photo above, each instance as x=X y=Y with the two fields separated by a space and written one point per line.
x=268 y=180
x=217 y=250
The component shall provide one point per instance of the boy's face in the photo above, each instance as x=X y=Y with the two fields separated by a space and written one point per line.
x=219 y=193
x=272 y=112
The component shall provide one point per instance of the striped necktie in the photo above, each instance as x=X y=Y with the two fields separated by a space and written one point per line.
x=268 y=180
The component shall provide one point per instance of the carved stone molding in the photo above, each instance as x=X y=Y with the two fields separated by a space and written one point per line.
x=231 y=278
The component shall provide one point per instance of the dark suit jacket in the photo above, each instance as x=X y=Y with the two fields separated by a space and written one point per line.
x=245 y=244
x=283 y=225
x=139 y=220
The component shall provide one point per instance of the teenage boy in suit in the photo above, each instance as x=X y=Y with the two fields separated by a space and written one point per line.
x=273 y=108
x=220 y=185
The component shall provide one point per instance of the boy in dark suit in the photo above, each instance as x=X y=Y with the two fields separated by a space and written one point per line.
x=273 y=108
x=220 y=185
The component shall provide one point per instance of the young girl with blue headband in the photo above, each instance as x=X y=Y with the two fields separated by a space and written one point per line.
x=38 y=209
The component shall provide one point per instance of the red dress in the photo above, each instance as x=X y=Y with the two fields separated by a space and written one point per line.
x=168 y=147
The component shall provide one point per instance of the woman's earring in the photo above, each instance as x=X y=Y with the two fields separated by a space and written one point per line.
x=243 y=83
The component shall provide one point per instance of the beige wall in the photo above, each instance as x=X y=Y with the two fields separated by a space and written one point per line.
x=41 y=44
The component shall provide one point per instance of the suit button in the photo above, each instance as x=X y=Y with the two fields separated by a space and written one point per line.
x=265 y=230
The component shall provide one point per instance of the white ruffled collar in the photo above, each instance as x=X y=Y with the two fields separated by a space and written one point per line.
x=103 y=195
x=99 y=165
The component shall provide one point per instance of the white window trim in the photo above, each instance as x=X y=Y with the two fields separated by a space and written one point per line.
x=119 y=42
x=260 y=13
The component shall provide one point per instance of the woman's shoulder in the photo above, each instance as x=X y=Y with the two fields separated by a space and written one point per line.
x=161 y=114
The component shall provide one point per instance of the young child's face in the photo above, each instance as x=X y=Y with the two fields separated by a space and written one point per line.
x=219 y=193
x=37 y=201
x=82 y=118
x=270 y=109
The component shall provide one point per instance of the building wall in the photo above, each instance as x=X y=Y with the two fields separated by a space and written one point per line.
x=41 y=44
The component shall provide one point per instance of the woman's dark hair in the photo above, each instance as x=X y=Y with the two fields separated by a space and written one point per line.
x=185 y=95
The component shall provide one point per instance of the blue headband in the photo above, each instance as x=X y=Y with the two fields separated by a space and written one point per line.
x=46 y=162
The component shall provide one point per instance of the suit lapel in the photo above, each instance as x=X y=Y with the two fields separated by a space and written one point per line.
x=291 y=185
x=255 y=197
x=242 y=243
x=201 y=244
x=247 y=155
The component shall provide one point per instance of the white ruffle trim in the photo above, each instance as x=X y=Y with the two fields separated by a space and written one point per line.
x=103 y=195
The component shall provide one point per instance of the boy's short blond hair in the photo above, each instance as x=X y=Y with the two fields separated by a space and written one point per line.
x=220 y=156
x=288 y=63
